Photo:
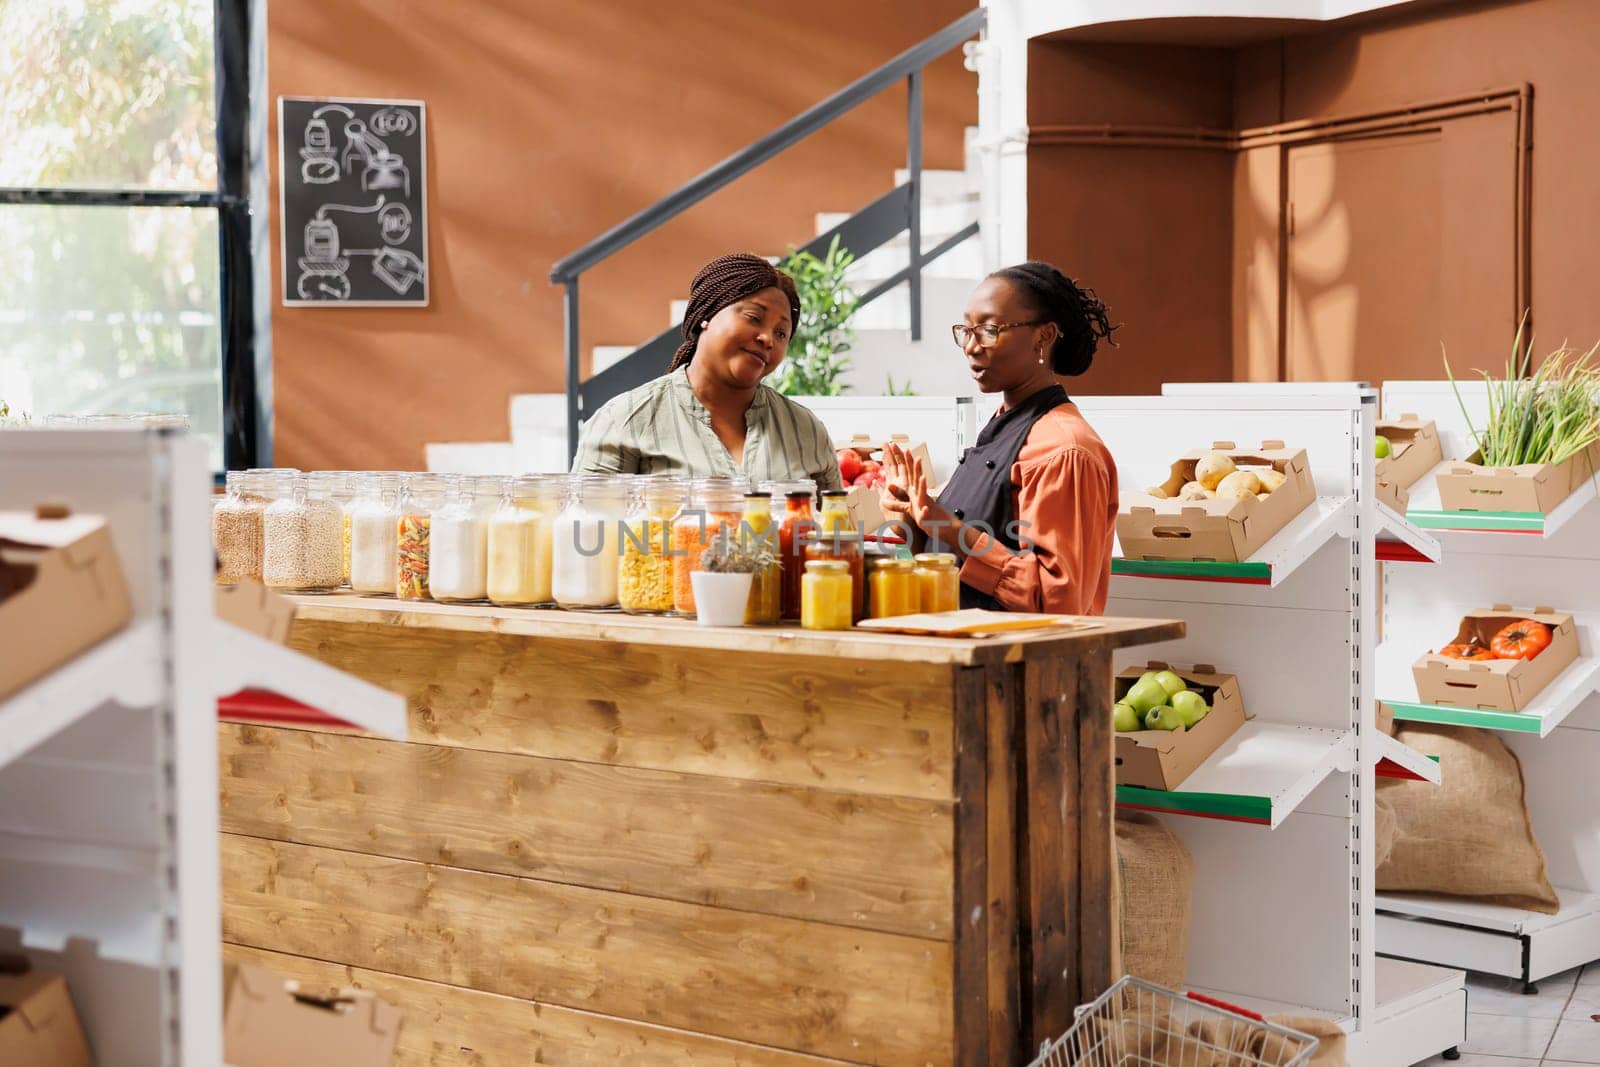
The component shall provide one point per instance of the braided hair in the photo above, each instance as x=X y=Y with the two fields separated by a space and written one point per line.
x=1076 y=311
x=723 y=281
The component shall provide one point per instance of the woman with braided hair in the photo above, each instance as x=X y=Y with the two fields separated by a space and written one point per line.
x=1031 y=509
x=710 y=414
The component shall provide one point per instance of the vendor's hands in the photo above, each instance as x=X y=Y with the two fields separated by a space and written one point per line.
x=908 y=487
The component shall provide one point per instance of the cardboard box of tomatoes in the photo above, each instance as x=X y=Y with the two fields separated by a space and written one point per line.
x=1535 y=487
x=1161 y=758
x=1218 y=504
x=861 y=466
x=1413 y=451
x=1500 y=659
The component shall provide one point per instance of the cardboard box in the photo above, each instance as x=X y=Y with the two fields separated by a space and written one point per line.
x=1537 y=487
x=1496 y=684
x=39 y=1027
x=61 y=591
x=863 y=502
x=1150 y=527
x=252 y=606
x=1162 y=759
x=269 y=1021
x=1416 y=451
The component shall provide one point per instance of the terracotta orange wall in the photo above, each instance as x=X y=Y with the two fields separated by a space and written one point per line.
x=547 y=124
x=1149 y=228
x=1154 y=229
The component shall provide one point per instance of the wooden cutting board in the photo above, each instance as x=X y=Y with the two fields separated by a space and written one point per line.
x=973 y=622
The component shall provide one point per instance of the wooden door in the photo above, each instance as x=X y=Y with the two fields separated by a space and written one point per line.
x=1401 y=247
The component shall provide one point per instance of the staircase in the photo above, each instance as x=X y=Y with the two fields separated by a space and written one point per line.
x=916 y=247
x=931 y=366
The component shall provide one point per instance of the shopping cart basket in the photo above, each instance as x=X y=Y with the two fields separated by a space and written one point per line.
x=1140 y=1024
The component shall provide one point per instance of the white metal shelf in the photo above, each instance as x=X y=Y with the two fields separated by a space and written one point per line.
x=122 y=669
x=1425 y=510
x=1397 y=688
x=1323 y=520
x=1270 y=1008
x=1405 y=761
x=246 y=661
x=1260 y=775
x=1493 y=938
x=1400 y=541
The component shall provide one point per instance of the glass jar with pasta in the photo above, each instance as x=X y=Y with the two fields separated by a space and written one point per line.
x=645 y=570
x=422 y=495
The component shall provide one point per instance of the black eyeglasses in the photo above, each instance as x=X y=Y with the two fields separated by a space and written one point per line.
x=988 y=334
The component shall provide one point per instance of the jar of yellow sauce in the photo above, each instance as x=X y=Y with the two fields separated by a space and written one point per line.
x=825 y=595
x=757 y=533
x=938 y=582
x=893 y=589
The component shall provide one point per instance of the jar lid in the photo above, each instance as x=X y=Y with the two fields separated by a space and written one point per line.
x=754 y=495
x=827 y=566
x=894 y=564
x=828 y=494
x=936 y=559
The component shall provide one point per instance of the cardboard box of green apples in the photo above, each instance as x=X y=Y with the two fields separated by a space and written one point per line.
x=1406 y=448
x=1182 y=716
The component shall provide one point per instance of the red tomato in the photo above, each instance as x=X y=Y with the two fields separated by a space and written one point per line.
x=850 y=465
x=1521 y=640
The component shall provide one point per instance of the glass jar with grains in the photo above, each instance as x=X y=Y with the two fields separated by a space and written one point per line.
x=458 y=542
x=712 y=510
x=645 y=571
x=585 y=551
x=237 y=533
x=420 y=497
x=375 y=535
x=301 y=537
x=520 y=540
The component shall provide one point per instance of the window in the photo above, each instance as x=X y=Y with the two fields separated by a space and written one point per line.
x=118 y=205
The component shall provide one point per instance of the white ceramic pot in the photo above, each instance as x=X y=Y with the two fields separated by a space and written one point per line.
x=720 y=599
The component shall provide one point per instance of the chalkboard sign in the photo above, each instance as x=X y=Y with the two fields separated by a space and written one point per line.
x=352 y=203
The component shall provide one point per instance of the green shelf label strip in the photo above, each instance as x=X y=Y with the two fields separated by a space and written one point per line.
x=1444 y=715
x=1191 y=568
x=1222 y=805
x=1484 y=521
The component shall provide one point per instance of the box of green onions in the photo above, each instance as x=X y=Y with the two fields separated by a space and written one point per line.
x=1540 y=442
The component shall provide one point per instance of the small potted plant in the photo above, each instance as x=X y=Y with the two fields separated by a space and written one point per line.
x=722 y=584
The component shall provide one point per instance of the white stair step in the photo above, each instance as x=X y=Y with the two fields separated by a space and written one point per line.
x=939 y=184
x=603 y=356
x=472 y=457
x=539 y=432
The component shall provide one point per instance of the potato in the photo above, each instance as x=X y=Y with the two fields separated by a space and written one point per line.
x=1270 y=479
x=1239 y=482
x=1238 y=492
x=1194 y=491
x=1158 y=491
x=1212 y=468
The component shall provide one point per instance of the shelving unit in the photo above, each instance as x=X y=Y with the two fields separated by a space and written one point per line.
x=108 y=765
x=1283 y=848
x=1522 y=559
x=1280 y=557
x=1261 y=775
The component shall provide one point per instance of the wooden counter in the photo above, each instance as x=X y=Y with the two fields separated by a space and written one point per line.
x=618 y=839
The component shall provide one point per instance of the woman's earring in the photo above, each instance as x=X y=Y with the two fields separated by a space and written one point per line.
x=705 y=324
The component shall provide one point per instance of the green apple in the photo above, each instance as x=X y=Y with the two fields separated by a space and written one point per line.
x=1171 y=683
x=1381 y=447
x=1125 y=720
x=1163 y=718
x=1145 y=694
x=1190 y=706
x=1148 y=676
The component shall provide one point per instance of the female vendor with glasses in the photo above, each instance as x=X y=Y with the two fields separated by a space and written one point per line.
x=1031 y=509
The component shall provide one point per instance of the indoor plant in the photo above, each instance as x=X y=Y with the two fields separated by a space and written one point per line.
x=722 y=584
x=816 y=360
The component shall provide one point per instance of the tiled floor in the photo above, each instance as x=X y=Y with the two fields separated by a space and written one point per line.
x=1561 y=1025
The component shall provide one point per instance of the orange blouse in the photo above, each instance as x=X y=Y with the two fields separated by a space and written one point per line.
x=1065 y=499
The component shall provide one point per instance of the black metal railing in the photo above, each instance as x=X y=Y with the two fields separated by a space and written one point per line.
x=899 y=211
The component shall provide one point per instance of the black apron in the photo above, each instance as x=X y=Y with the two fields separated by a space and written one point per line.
x=981 y=489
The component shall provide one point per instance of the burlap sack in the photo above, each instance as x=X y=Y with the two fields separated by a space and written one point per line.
x=1331 y=1045
x=1384 y=831
x=1469 y=836
x=1152 y=902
